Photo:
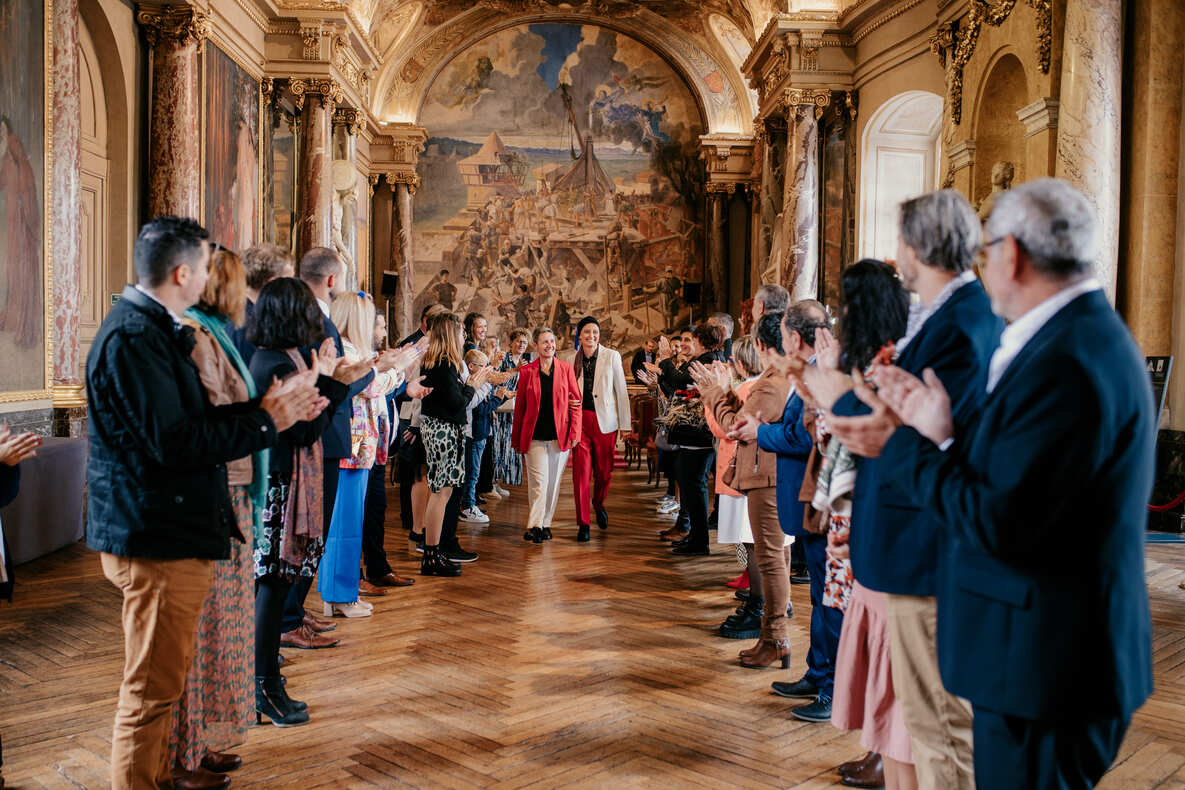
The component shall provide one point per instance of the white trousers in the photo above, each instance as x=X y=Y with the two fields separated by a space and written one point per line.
x=545 y=464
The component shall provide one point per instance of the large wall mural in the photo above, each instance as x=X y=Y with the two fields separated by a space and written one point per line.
x=23 y=166
x=561 y=179
x=232 y=152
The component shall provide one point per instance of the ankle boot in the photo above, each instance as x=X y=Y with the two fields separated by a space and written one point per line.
x=746 y=623
x=768 y=652
x=294 y=704
x=435 y=563
x=748 y=651
x=270 y=702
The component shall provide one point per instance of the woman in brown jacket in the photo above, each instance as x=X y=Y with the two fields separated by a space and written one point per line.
x=755 y=473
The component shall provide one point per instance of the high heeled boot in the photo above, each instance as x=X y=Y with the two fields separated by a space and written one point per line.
x=270 y=701
x=435 y=563
x=768 y=652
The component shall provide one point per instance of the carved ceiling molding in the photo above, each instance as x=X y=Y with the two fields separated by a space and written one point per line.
x=982 y=12
x=860 y=33
x=183 y=24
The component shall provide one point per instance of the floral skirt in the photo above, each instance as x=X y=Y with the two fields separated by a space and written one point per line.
x=218 y=703
x=508 y=464
x=837 y=589
x=444 y=442
x=267 y=546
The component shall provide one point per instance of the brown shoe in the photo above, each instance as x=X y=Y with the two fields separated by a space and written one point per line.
x=201 y=779
x=871 y=775
x=317 y=625
x=768 y=652
x=366 y=588
x=221 y=762
x=673 y=534
x=855 y=766
x=393 y=580
x=306 y=638
x=748 y=651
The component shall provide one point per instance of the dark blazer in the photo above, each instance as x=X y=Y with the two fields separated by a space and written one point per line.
x=238 y=335
x=526 y=405
x=792 y=443
x=10 y=481
x=638 y=363
x=156 y=473
x=1045 y=611
x=895 y=545
x=336 y=440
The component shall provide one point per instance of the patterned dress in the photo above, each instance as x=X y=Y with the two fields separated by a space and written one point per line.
x=219 y=701
x=833 y=497
x=508 y=465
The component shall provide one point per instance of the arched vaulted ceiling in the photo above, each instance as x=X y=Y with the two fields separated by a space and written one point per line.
x=417 y=38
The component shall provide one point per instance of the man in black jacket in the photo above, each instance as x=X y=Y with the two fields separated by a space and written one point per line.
x=158 y=504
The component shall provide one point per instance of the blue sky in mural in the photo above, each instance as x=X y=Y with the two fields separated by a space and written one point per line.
x=560 y=41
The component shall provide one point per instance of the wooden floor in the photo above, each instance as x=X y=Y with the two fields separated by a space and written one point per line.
x=565 y=665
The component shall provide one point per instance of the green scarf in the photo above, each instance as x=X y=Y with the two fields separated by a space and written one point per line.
x=217 y=327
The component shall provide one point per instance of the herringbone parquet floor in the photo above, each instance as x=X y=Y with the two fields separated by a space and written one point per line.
x=564 y=665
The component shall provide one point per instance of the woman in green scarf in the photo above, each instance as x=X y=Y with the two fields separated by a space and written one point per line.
x=213 y=713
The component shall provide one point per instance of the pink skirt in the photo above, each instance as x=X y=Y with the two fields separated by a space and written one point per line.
x=864 y=698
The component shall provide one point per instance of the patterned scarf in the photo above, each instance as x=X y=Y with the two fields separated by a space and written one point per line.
x=303 y=518
x=217 y=327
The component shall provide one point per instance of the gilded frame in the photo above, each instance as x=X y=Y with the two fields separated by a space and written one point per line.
x=45 y=393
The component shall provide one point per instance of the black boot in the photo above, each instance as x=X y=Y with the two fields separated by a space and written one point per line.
x=294 y=704
x=434 y=563
x=270 y=701
x=582 y=535
x=546 y=531
x=746 y=623
x=602 y=518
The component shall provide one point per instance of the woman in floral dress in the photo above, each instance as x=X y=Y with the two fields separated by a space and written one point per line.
x=508 y=465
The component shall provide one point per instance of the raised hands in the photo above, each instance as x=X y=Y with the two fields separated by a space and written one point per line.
x=401 y=358
x=922 y=405
x=479 y=377
x=823 y=386
x=295 y=399
x=664 y=347
x=15 y=448
x=416 y=389
x=826 y=349
x=718 y=374
x=325 y=359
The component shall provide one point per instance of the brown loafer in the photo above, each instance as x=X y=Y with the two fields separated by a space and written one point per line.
x=306 y=638
x=855 y=766
x=368 y=589
x=221 y=762
x=201 y=779
x=769 y=652
x=673 y=534
x=871 y=775
x=393 y=580
x=317 y=625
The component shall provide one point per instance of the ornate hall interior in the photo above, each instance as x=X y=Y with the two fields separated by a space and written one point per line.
x=653 y=162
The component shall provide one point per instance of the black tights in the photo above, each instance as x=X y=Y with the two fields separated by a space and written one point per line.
x=270 y=595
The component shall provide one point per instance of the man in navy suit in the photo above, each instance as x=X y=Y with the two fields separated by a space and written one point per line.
x=321 y=270
x=895 y=546
x=792 y=443
x=1043 y=621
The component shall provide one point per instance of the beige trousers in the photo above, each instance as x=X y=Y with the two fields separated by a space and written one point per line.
x=939 y=722
x=544 y=463
x=161 y=603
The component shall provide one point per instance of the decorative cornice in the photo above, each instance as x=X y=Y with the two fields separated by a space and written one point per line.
x=183 y=24
x=1038 y=116
x=310 y=34
x=942 y=41
x=69 y=396
x=961 y=155
x=329 y=90
x=861 y=32
x=351 y=119
x=347 y=64
x=721 y=187
x=248 y=8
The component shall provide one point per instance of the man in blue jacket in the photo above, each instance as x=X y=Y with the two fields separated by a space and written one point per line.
x=1043 y=621
x=792 y=443
x=895 y=545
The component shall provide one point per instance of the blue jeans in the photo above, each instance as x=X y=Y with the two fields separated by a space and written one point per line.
x=826 y=622
x=473 y=451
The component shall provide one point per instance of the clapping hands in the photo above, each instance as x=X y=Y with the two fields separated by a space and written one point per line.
x=718 y=374
x=15 y=448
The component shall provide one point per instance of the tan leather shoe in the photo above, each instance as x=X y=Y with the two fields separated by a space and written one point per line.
x=201 y=779
x=857 y=765
x=748 y=651
x=870 y=775
x=318 y=625
x=769 y=652
x=221 y=762
x=393 y=580
x=352 y=609
x=366 y=588
x=305 y=638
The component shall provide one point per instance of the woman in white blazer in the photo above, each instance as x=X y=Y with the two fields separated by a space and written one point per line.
x=605 y=410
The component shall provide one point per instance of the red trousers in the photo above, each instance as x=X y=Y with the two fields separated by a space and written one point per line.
x=591 y=457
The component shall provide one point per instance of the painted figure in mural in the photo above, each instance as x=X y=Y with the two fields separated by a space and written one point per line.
x=245 y=189
x=443 y=291
x=20 y=312
x=670 y=288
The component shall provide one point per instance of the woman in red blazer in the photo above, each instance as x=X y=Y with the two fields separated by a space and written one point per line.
x=546 y=427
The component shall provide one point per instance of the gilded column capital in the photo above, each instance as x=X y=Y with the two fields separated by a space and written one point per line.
x=183 y=24
x=373 y=181
x=819 y=98
x=410 y=178
x=326 y=89
x=349 y=118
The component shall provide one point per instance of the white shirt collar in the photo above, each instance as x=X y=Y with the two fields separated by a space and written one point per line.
x=919 y=313
x=1018 y=334
x=176 y=318
x=324 y=307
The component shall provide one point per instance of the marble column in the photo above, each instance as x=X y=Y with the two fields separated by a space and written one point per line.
x=401 y=252
x=716 y=287
x=314 y=185
x=1088 y=140
x=174 y=37
x=1150 y=200
x=67 y=216
x=346 y=125
x=800 y=208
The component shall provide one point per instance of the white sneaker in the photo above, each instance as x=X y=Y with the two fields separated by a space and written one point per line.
x=669 y=507
x=493 y=492
x=502 y=492
x=474 y=516
x=354 y=609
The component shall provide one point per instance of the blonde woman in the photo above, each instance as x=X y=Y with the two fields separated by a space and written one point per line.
x=370 y=432
x=442 y=430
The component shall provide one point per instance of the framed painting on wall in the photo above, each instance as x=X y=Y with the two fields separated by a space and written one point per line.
x=26 y=107
x=232 y=195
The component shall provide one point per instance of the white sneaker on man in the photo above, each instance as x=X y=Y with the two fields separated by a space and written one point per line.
x=502 y=492
x=493 y=492
x=669 y=507
x=474 y=515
